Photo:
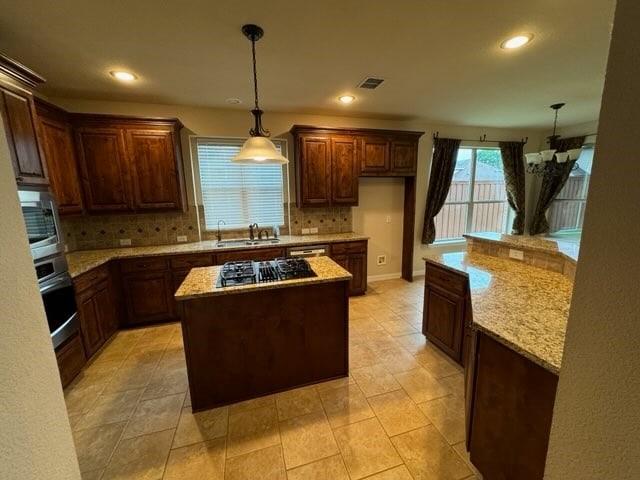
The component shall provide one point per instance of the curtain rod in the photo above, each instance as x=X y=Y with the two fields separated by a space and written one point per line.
x=483 y=138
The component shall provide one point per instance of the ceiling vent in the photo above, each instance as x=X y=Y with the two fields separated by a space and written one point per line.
x=371 y=83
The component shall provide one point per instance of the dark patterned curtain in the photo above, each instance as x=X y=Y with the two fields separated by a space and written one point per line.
x=513 y=163
x=443 y=164
x=551 y=185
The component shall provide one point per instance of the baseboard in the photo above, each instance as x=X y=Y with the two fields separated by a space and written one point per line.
x=384 y=276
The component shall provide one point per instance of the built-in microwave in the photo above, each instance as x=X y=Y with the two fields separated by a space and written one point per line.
x=41 y=219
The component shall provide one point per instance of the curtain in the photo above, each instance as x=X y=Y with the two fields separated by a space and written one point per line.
x=443 y=164
x=513 y=163
x=551 y=185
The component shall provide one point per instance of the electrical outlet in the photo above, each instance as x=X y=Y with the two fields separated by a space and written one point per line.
x=381 y=260
x=125 y=242
x=181 y=238
x=305 y=231
x=313 y=230
x=517 y=254
x=388 y=219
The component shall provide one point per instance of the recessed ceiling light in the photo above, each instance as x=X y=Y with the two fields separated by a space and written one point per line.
x=517 y=41
x=233 y=101
x=346 y=98
x=123 y=76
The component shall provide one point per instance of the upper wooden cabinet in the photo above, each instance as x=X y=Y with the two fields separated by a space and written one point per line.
x=129 y=164
x=328 y=161
x=56 y=139
x=19 y=119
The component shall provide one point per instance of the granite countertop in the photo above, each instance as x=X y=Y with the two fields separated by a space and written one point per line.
x=567 y=249
x=201 y=281
x=84 y=260
x=524 y=307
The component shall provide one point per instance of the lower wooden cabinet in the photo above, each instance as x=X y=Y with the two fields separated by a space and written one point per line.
x=258 y=255
x=445 y=315
x=71 y=358
x=148 y=297
x=352 y=256
x=97 y=311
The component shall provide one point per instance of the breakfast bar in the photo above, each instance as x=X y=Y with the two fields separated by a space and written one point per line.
x=250 y=340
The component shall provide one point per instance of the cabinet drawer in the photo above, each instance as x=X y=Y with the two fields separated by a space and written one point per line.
x=191 y=261
x=144 y=265
x=71 y=359
x=348 y=247
x=90 y=278
x=443 y=278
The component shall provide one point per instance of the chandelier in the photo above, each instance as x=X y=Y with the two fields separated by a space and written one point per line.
x=549 y=162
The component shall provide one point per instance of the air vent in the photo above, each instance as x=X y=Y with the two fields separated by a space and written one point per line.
x=370 y=83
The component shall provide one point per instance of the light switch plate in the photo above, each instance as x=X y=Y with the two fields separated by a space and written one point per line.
x=313 y=230
x=125 y=242
x=517 y=254
x=305 y=231
x=388 y=219
x=182 y=238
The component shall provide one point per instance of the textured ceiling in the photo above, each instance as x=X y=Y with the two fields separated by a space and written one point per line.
x=440 y=59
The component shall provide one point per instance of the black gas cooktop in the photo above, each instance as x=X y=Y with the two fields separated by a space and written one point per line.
x=247 y=271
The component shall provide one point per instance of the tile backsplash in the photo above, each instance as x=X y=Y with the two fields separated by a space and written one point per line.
x=105 y=231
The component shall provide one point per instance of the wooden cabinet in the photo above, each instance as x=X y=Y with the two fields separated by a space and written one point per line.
x=374 y=155
x=256 y=254
x=97 y=308
x=352 y=256
x=129 y=164
x=445 y=303
x=56 y=139
x=394 y=155
x=71 y=358
x=344 y=171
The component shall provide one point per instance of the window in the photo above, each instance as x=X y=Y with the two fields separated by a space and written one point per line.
x=238 y=194
x=477 y=200
x=566 y=213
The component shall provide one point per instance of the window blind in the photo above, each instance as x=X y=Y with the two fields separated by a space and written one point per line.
x=238 y=194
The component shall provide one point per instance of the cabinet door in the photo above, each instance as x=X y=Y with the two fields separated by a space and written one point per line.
x=404 y=157
x=255 y=254
x=344 y=171
x=89 y=312
x=314 y=172
x=18 y=115
x=443 y=319
x=154 y=169
x=105 y=176
x=57 y=144
x=105 y=306
x=71 y=359
x=357 y=266
x=374 y=153
x=148 y=297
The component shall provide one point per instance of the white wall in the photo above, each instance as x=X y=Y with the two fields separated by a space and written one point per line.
x=35 y=437
x=378 y=197
x=597 y=412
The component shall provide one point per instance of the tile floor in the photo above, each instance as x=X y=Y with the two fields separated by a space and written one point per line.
x=400 y=414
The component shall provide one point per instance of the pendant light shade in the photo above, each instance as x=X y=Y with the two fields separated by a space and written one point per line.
x=258 y=149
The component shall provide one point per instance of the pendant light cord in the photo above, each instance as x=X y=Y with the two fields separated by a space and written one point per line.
x=255 y=72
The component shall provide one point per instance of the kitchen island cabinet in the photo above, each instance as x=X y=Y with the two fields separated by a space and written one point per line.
x=247 y=341
x=352 y=256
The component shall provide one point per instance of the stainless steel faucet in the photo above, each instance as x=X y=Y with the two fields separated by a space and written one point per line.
x=218 y=235
x=251 y=227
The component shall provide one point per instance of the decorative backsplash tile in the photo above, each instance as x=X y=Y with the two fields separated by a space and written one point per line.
x=89 y=232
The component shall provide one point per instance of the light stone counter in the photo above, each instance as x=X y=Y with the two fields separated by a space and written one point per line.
x=201 y=282
x=83 y=261
x=566 y=249
x=523 y=307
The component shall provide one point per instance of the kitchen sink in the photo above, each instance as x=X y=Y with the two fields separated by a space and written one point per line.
x=245 y=241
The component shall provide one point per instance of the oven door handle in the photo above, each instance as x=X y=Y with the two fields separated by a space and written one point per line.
x=56 y=284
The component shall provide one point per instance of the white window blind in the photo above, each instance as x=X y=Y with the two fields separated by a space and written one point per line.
x=238 y=194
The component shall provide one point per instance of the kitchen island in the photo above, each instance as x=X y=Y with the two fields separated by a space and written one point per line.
x=246 y=341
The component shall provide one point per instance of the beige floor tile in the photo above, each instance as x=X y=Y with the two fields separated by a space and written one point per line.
x=75 y=421
x=204 y=460
x=365 y=448
x=172 y=358
x=94 y=446
x=345 y=405
x=437 y=363
x=166 y=382
x=374 y=380
x=361 y=356
x=461 y=450
x=382 y=314
x=263 y=464
x=427 y=455
x=111 y=408
x=455 y=383
x=187 y=399
x=300 y=401
x=143 y=356
x=397 y=360
x=201 y=426
x=129 y=378
x=252 y=430
x=155 y=415
x=447 y=415
x=266 y=401
x=331 y=384
x=140 y=457
x=398 y=327
x=421 y=386
x=409 y=314
x=80 y=400
x=92 y=475
x=330 y=468
x=378 y=341
x=415 y=343
x=306 y=438
x=397 y=413
x=396 y=473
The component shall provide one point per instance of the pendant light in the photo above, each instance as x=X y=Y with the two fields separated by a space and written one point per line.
x=547 y=162
x=258 y=149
